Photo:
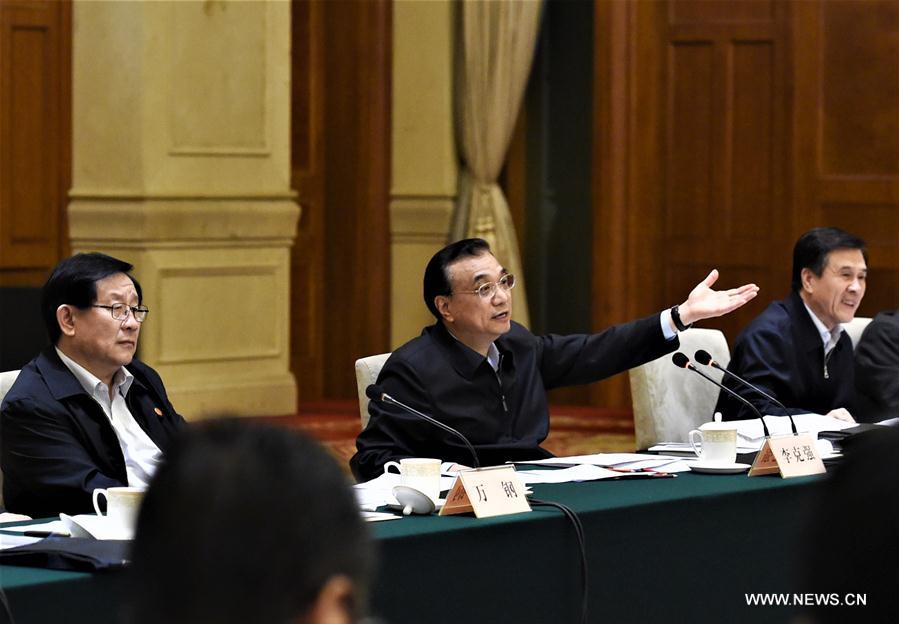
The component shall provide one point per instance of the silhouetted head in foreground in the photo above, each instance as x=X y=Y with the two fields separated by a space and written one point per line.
x=248 y=523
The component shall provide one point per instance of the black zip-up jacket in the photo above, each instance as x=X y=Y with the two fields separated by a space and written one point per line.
x=56 y=443
x=781 y=352
x=503 y=414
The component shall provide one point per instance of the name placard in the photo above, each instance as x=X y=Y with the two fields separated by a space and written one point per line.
x=494 y=491
x=791 y=456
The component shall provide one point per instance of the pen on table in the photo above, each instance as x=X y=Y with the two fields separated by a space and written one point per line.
x=43 y=534
x=647 y=471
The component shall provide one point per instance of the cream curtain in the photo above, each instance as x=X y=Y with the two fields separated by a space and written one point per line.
x=495 y=44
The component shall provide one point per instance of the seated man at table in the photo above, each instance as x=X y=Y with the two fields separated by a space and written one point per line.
x=483 y=374
x=796 y=350
x=877 y=369
x=248 y=523
x=85 y=413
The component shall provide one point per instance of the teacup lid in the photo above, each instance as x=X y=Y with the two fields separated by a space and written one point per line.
x=718 y=426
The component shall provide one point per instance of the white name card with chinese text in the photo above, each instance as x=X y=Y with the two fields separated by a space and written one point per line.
x=494 y=491
x=791 y=456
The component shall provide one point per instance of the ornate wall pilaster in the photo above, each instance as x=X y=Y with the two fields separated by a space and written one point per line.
x=425 y=164
x=181 y=159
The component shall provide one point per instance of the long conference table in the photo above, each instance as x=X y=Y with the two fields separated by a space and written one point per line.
x=659 y=550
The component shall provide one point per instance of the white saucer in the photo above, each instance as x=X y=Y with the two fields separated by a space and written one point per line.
x=719 y=468
x=97 y=527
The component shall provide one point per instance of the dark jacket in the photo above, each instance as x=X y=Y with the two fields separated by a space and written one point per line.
x=877 y=369
x=781 y=352
x=505 y=414
x=57 y=444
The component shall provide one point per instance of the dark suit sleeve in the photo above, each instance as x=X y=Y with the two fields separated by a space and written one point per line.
x=877 y=370
x=581 y=359
x=44 y=459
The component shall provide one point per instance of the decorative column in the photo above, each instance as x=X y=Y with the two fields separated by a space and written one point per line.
x=425 y=168
x=181 y=154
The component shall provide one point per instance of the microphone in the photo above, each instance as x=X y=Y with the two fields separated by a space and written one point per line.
x=704 y=357
x=376 y=393
x=683 y=361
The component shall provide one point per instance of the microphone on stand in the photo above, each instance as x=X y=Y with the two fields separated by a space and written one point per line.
x=376 y=393
x=704 y=357
x=683 y=361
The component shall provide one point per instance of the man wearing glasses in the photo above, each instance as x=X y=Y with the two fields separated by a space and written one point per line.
x=76 y=418
x=486 y=376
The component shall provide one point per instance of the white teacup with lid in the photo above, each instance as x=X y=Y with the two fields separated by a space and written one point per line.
x=717 y=442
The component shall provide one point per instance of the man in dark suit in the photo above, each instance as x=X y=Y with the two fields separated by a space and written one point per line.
x=796 y=350
x=84 y=413
x=479 y=372
x=877 y=368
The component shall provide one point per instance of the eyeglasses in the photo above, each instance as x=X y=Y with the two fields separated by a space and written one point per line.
x=488 y=289
x=120 y=311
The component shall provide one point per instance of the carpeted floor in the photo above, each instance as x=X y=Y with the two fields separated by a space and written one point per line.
x=573 y=430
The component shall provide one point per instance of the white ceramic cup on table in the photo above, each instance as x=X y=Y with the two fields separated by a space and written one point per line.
x=122 y=505
x=717 y=443
x=421 y=473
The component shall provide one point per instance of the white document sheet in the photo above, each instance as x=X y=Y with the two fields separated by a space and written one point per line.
x=684 y=449
x=54 y=526
x=630 y=461
x=11 y=541
x=379 y=516
x=750 y=432
x=581 y=472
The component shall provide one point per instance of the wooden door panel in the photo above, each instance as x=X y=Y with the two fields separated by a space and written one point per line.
x=706 y=172
x=341 y=170
x=846 y=125
x=35 y=102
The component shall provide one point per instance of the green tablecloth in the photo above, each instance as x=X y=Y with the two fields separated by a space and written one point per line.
x=682 y=549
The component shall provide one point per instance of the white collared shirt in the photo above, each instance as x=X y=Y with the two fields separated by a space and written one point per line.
x=493 y=357
x=141 y=453
x=829 y=338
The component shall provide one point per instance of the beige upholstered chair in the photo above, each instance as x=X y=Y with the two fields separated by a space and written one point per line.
x=367 y=371
x=669 y=401
x=6 y=382
x=856 y=327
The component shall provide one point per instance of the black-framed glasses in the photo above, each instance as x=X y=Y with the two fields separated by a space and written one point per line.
x=120 y=311
x=488 y=289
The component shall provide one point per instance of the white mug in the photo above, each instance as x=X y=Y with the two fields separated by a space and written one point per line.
x=122 y=504
x=421 y=473
x=718 y=442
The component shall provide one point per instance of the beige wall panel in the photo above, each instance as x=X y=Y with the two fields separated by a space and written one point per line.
x=425 y=163
x=171 y=97
x=217 y=331
x=181 y=144
x=419 y=230
x=107 y=60
x=163 y=219
x=424 y=150
x=217 y=70
x=215 y=313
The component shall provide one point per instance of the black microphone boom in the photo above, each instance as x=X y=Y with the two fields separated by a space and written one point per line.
x=704 y=357
x=683 y=361
x=376 y=393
